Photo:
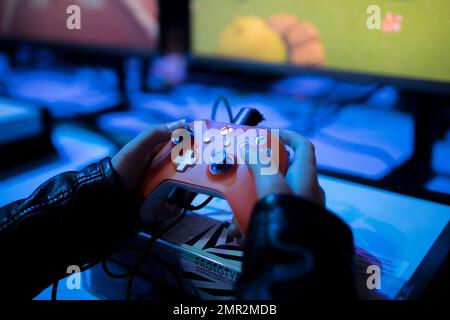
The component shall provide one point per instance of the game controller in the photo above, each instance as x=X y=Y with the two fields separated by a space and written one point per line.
x=224 y=175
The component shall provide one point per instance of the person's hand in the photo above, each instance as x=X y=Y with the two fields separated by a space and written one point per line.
x=302 y=173
x=301 y=178
x=132 y=159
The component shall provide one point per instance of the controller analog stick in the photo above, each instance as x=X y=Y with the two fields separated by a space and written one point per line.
x=177 y=140
x=220 y=163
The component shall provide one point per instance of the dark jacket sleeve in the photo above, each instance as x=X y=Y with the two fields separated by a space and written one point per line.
x=296 y=250
x=72 y=219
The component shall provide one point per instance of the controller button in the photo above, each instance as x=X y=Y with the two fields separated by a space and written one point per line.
x=261 y=140
x=242 y=145
x=188 y=160
x=220 y=163
x=226 y=130
x=207 y=139
x=227 y=143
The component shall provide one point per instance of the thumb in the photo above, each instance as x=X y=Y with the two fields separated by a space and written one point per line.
x=132 y=159
x=265 y=183
x=148 y=143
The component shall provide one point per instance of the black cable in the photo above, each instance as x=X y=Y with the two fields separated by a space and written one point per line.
x=190 y=207
x=146 y=248
x=55 y=290
x=217 y=105
x=169 y=267
x=111 y=274
x=142 y=256
x=161 y=261
x=186 y=206
x=200 y=206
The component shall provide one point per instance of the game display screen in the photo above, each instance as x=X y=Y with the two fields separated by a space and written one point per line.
x=394 y=38
x=124 y=24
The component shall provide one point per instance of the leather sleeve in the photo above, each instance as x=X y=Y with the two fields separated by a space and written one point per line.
x=72 y=219
x=296 y=250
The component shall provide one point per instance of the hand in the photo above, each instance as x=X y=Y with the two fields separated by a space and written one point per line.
x=132 y=159
x=302 y=173
x=301 y=178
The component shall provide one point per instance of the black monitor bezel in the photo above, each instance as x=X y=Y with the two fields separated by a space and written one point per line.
x=77 y=49
x=285 y=70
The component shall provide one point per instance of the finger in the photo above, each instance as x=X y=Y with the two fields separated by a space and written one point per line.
x=302 y=173
x=304 y=150
x=323 y=196
x=145 y=146
x=304 y=165
x=131 y=160
x=150 y=141
x=293 y=139
x=265 y=183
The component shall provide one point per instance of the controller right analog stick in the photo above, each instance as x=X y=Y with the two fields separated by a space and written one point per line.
x=220 y=163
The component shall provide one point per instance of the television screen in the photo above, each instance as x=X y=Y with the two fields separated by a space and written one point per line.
x=394 y=38
x=123 y=24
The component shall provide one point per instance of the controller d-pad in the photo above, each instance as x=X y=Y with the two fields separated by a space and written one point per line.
x=177 y=140
x=186 y=161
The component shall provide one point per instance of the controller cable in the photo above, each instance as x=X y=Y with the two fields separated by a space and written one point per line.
x=143 y=255
x=217 y=105
x=146 y=248
x=185 y=206
x=315 y=127
x=144 y=252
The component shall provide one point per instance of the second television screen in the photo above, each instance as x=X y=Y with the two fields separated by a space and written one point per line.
x=398 y=38
x=122 y=24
